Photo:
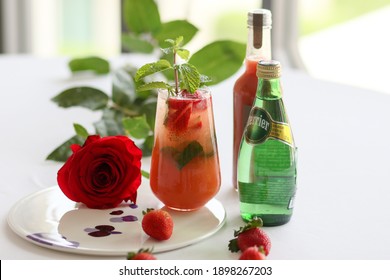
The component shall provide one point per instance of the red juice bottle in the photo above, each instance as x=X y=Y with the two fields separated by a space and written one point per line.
x=244 y=91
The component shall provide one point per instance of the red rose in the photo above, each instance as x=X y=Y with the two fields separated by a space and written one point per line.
x=103 y=172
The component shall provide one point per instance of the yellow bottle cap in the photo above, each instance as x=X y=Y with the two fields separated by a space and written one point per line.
x=268 y=69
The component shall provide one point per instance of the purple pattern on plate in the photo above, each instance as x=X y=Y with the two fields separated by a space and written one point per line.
x=133 y=206
x=53 y=239
x=117 y=212
x=128 y=218
x=101 y=231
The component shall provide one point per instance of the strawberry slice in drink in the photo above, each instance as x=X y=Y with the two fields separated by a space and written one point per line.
x=178 y=103
x=177 y=119
x=199 y=103
x=196 y=123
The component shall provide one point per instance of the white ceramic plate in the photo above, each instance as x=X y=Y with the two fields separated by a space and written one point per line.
x=48 y=218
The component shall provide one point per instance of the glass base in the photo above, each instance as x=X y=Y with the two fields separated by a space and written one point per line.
x=269 y=220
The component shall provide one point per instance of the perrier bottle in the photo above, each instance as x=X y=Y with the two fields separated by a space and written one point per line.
x=267 y=157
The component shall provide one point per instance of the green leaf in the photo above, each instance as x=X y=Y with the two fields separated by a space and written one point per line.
x=154 y=85
x=147 y=146
x=123 y=88
x=80 y=130
x=141 y=16
x=145 y=174
x=183 y=53
x=219 y=60
x=63 y=152
x=204 y=80
x=190 y=77
x=92 y=63
x=174 y=29
x=192 y=150
x=136 y=127
x=152 y=68
x=110 y=123
x=86 y=97
x=148 y=108
x=179 y=41
x=136 y=44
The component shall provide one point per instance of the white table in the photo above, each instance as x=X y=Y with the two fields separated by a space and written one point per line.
x=343 y=198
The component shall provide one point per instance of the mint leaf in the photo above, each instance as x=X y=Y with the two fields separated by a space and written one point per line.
x=167 y=50
x=191 y=151
x=80 y=130
x=152 y=68
x=174 y=45
x=87 y=97
x=154 y=85
x=92 y=63
x=183 y=53
x=137 y=127
x=179 y=41
x=190 y=77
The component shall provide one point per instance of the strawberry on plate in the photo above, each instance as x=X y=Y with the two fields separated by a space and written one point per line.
x=250 y=235
x=158 y=224
x=142 y=254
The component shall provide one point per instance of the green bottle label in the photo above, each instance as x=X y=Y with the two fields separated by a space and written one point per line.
x=261 y=126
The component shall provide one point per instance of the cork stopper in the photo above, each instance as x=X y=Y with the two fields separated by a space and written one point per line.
x=268 y=69
x=259 y=19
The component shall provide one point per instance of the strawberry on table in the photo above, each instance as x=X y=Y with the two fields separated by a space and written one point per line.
x=250 y=235
x=142 y=254
x=253 y=253
x=158 y=224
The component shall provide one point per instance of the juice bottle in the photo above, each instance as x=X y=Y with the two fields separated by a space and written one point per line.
x=244 y=91
x=185 y=170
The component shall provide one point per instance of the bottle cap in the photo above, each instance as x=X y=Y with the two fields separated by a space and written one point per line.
x=268 y=69
x=260 y=17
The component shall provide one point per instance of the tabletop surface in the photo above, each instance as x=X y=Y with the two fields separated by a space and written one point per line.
x=341 y=133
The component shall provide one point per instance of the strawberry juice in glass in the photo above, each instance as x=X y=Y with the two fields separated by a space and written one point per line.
x=185 y=171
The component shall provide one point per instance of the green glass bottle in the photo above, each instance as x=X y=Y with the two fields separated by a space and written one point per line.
x=267 y=157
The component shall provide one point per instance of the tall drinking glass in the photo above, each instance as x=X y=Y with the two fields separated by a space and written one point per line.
x=185 y=171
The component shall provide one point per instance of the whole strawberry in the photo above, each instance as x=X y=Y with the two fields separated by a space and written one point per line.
x=142 y=254
x=252 y=253
x=158 y=224
x=250 y=235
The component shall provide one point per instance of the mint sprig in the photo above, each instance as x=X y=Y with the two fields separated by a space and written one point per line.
x=186 y=75
x=143 y=32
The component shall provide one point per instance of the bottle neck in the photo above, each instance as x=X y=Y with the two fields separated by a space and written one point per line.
x=269 y=89
x=258 y=49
